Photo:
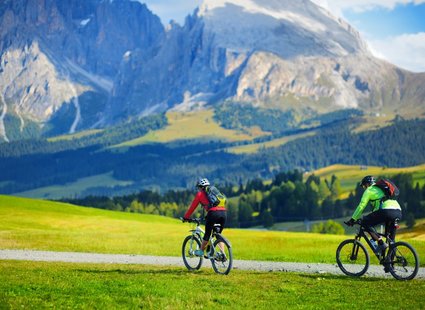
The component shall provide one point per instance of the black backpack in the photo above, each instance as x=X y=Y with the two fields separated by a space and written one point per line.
x=215 y=197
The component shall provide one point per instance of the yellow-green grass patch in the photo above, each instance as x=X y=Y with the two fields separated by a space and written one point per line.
x=77 y=135
x=193 y=125
x=350 y=176
x=255 y=147
x=375 y=122
x=45 y=225
x=74 y=188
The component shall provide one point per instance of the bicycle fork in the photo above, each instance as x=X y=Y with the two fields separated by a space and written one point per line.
x=355 y=250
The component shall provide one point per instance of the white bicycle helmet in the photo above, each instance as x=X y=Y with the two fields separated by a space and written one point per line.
x=202 y=182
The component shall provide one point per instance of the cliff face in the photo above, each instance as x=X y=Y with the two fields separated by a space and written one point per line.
x=78 y=64
x=285 y=54
x=53 y=52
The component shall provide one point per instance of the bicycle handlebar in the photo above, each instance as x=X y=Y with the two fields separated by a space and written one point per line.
x=195 y=220
x=357 y=222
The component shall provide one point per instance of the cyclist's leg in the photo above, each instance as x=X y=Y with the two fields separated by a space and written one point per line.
x=209 y=224
x=391 y=216
x=221 y=219
x=369 y=221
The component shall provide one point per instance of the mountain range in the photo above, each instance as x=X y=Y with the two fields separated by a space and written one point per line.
x=103 y=68
x=67 y=66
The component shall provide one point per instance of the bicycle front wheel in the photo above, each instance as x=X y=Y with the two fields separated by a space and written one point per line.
x=352 y=258
x=223 y=258
x=190 y=245
x=403 y=261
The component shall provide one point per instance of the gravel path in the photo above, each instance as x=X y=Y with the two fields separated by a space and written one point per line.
x=75 y=257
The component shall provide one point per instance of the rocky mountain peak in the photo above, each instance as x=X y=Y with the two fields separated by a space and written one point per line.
x=286 y=28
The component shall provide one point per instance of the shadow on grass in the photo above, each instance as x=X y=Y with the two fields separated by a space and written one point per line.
x=150 y=271
x=343 y=277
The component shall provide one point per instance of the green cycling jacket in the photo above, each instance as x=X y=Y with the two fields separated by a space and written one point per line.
x=373 y=195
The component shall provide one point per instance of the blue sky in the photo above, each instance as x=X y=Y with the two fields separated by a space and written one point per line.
x=393 y=29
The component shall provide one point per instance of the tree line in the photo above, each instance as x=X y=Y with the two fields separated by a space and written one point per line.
x=288 y=197
x=176 y=165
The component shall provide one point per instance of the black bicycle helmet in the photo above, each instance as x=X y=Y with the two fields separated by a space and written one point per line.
x=367 y=181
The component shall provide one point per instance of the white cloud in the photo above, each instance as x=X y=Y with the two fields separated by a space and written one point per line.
x=338 y=6
x=406 y=51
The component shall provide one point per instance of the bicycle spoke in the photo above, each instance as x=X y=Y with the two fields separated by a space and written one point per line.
x=403 y=261
x=190 y=245
x=352 y=258
x=222 y=259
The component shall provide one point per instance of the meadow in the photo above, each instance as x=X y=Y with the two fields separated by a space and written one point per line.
x=350 y=175
x=40 y=285
x=46 y=225
x=181 y=127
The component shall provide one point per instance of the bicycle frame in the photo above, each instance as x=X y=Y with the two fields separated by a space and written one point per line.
x=199 y=232
x=362 y=234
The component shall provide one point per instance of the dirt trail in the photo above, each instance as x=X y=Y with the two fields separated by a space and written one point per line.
x=76 y=257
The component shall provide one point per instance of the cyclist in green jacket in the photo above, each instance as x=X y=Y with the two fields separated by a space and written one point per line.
x=383 y=210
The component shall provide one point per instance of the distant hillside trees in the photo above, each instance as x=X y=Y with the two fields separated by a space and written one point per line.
x=257 y=203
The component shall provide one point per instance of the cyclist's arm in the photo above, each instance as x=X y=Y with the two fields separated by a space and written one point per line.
x=362 y=205
x=192 y=207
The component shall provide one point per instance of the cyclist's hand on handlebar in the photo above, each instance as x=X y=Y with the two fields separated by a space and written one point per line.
x=351 y=222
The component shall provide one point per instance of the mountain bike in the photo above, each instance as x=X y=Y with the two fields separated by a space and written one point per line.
x=399 y=258
x=218 y=250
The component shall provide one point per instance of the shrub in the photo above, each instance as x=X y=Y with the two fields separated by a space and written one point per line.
x=328 y=227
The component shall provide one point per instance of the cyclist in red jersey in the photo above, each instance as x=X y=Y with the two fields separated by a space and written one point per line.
x=215 y=215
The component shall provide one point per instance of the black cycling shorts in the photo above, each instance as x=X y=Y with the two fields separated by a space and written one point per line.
x=214 y=217
x=379 y=217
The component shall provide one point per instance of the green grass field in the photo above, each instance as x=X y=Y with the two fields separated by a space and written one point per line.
x=45 y=225
x=74 y=188
x=38 y=285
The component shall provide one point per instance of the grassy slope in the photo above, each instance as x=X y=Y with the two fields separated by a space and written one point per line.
x=192 y=125
x=253 y=148
x=78 y=135
x=351 y=175
x=74 y=188
x=45 y=225
x=38 y=224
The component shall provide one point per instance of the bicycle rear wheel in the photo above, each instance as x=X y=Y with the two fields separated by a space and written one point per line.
x=223 y=257
x=403 y=261
x=191 y=261
x=352 y=258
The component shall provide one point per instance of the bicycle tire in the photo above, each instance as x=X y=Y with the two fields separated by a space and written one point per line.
x=403 y=261
x=191 y=261
x=352 y=258
x=222 y=261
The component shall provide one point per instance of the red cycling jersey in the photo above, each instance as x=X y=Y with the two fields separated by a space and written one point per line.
x=200 y=198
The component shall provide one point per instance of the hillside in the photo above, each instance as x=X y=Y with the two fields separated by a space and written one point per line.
x=46 y=225
x=123 y=159
x=351 y=175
